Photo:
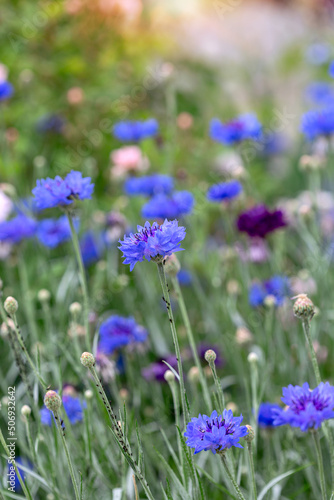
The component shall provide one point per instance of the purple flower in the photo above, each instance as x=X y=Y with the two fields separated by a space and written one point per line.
x=306 y=408
x=6 y=90
x=277 y=286
x=320 y=93
x=224 y=191
x=265 y=414
x=318 y=53
x=156 y=370
x=51 y=123
x=17 y=229
x=185 y=277
x=162 y=206
x=60 y=192
x=135 y=131
x=149 y=185
x=259 y=221
x=73 y=408
x=117 y=331
x=92 y=246
x=215 y=433
x=152 y=242
x=53 y=232
x=244 y=127
x=318 y=122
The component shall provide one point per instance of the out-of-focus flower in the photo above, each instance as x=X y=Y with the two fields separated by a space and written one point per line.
x=163 y=206
x=149 y=185
x=244 y=127
x=320 y=93
x=117 y=331
x=257 y=251
x=258 y=221
x=273 y=143
x=303 y=283
x=105 y=366
x=127 y=159
x=50 y=193
x=224 y=191
x=75 y=95
x=6 y=90
x=277 y=287
x=185 y=277
x=318 y=53
x=184 y=120
x=152 y=242
x=17 y=229
x=157 y=370
x=92 y=247
x=215 y=433
x=243 y=336
x=6 y=206
x=229 y=164
x=3 y=73
x=331 y=69
x=265 y=414
x=135 y=131
x=11 y=134
x=321 y=351
x=116 y=226
x=318 y=122
x=51 y=123
x=306 y=408
x=53 y=232
x=73 y=408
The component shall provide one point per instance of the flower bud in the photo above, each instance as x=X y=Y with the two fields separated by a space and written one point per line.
x=193 y=375
x=25 y=412
x=75 y=309
x=233 y=287
x=169 y=376
x=251 y=434
x=44 y=295
x=270 y=301
x=89 y=394
x=243 y=336
x=210 y=356
x=87 y=359
x=172 y=265
x=303 y=308
x=124 y=394
x=11 y=305
x=52 y=401
x=252 y=357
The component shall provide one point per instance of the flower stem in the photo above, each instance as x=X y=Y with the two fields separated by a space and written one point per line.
x=218 y=387
x=230 y=475
x=251 y=468
x=166 y=298
x=82 y=276
x=191 y=340
x=316 y=439
x=26 y=292
x=306 y=328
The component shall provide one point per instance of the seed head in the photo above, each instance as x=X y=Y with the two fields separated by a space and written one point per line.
x=210 y=356
x=11 y=305
x=88 y=394
x=52 y=401
x=253 y=357
x=44 y=295
x=303 y=308
x=251 y=434
x=25 y=412
x=75 y=309
x=87 y=359
x=169 y=376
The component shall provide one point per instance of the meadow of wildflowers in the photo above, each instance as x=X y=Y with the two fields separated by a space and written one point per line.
x=166 y=252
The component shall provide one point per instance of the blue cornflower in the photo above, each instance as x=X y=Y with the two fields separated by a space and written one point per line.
x=243 y=127
x=92 y=247
x=162 y=206
x=152 y=242
x=6 y=90
x=277 y=286
x=135 y=131
x=306 y=408
x=320 y=93
x=318 y=122
x=149 y=185
x=215 y=433
x=265 y=414
x=73 y=408
x=273 y=143
x=53 y=232
x=117 y=331
x=331 y=69
x=60 y=192
x=318 y=53
x=224 y=191
x=51 y=123
x=185 y=277
x=17 y=229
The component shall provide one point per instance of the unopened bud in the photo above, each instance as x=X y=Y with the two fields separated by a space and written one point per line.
x=169 y=376
x=251 y=434
x=270 y=301
x=210 y=356
x=75 y=309
x=193 y=374
x=52 y=401
x=89 y=394
x=243 y=336
x=172 y=265
x=303 y=308
x=233 y=287
x=25 y=412
x=124 y=394
x=44 y=295
x=11 y=305
x=252 y=357
x=87 y=359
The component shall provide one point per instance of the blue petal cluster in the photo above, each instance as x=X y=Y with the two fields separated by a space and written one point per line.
x=162 y=206
x=52 y=232
x=265 y=414
x=73 y=408
x=224 y=191
x=244 y=127
x=215 y=433
x=117 y=331
x=60 y=192
x=6 y=90
x=135 y=131
x=277 y=286
x=317 y=123
x=318 y=53
x=331 y=69
x=149 y=185
x=320 y=93
x=17 y=229
x=50 y=123
x=152 y=241
x=92 y=247
x=306 y=408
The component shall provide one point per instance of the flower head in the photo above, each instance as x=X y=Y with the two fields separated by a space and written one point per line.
x=265 y=414
x=320 y=93
x=17 y=229
x=149 y=185
x=277 y=287
x=306 y=408
x=50 y=193
x=243 y=127
x=92 y=246
x=117 y=331
x=6 y=90
x=52 y=232
x=224 y=191
x=162 y=206
x=318 y=122
x=259 y=221
x=331 y=69
x=152 y=242
x=50 y=123
x=215 y=433
x=157 y=370
x=135 y=131
x=73 y=408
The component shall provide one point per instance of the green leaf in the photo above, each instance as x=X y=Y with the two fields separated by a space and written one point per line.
x=278 y=479
x=179 y=486
x=218 y=485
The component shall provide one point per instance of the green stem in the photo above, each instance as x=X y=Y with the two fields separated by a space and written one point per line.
x=166 y=297
x=26 y=294
x=68 y=457
x=82 y=277
x=306 y=327
x=316 y=439
x=176 y=404
x=192 y=342
x=219 y=387
x=251 y=468
x=230 y=475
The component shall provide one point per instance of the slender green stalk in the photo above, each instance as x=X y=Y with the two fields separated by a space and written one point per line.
x=68 y=457
x=220 y=392
x=316 y=439
x=166 y=298
x=176 y=403
x=26 y=294
x=251 y=469
x=192 y=342
x=22 y=483
x=306 y=328
x=230 y=475
x=82 y=277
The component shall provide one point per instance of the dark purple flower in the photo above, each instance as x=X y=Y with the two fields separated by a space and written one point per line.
x=259 y=221
x=156 y=370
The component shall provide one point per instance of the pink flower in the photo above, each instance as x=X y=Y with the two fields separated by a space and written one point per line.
x=126 y=159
